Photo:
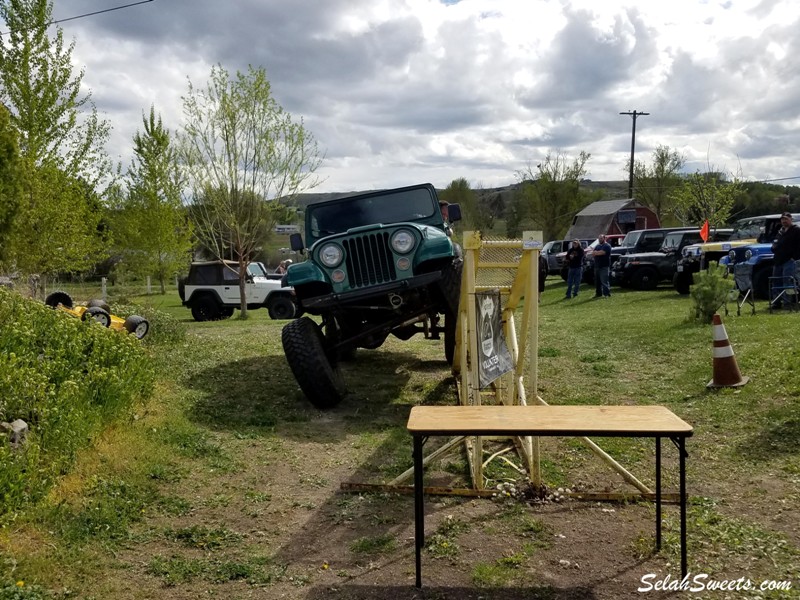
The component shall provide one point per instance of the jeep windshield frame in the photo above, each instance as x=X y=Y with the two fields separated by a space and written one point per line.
x=417 y=204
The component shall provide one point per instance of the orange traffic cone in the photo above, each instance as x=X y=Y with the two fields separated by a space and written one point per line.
x=726 y=371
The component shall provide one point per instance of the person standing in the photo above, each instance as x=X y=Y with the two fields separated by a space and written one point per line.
x=602 y=264
x=786 y=250
x=574 y=261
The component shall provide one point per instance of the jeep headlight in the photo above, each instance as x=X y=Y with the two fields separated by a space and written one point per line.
x=403 y=241
x=748 y=254
x=732 y=256
x=331 y=255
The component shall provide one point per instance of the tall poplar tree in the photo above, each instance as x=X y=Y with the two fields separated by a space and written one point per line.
x=151 y=228
x=61 y=141
x=9 y=178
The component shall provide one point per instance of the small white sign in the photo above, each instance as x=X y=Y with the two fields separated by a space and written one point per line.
x=532 y=244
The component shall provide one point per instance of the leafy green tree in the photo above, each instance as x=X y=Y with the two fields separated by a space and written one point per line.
x=246 y=158
x=653 y=183
x=9 y=178
x=58 y=228
x=57 y=123
x=548 y=198
x=475 y=215
x=151 y=227
x=61 y=141
x=704 y=196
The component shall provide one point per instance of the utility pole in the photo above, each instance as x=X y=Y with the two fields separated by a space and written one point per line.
x=633 y=114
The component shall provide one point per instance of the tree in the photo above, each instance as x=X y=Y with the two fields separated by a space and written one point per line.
x=245 y=159
x=549 y=198
x=58 y=227
x=475 y=215
x=9 y=178
x=61 y=138
x=151 y=227
x=706 y=196
x=654 y=183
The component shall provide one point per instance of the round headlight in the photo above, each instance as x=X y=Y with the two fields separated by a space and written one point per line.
x=330 y=255
x=403 y=241
x=732 y=256
x=748 y=254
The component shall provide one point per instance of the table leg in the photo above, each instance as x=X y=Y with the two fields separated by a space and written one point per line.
x=658 y=494
x=419 y=510
x=682 y=452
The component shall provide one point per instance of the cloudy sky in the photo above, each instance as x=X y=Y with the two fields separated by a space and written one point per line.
x=399 y=92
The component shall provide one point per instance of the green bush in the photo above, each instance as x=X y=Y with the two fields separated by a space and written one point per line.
x=710 y=291
x=67 y=379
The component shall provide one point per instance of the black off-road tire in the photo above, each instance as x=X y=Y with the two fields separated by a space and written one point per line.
x=206 y=308
x=281 y=307
x=644 y=279
x=682 y=282
x=450 y=322
x=99 y=303
x=138 y=326
x=450 y=284
x=98 y=314
x=225 y=312
x=56 y=298
x=321 y=381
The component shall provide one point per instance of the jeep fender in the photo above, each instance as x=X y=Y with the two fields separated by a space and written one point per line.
x=203 y=292
x=302 y=273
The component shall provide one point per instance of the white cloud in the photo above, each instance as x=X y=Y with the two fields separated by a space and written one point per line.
x=404 y=91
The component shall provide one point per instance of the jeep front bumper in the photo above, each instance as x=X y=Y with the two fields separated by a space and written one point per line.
x=355 y=296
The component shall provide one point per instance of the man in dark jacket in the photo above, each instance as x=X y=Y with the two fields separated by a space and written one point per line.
x=786 y=250
x=602 y=264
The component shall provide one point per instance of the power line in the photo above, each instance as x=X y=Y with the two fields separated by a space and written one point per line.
x=97 y=12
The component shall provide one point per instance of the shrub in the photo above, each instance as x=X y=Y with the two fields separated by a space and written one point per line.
x=710 y=291
x=67 y=379
x=164 y=328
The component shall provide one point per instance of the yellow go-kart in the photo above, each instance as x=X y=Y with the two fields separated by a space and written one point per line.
x=100 y=312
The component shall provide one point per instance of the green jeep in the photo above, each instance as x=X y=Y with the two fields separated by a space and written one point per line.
x=377 y=263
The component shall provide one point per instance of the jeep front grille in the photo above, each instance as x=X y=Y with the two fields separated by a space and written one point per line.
x=369 y=260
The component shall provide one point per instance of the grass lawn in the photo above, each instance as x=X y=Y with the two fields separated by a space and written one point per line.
x=227 y=482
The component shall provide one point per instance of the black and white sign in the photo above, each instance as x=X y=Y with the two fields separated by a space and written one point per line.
x=494 y=359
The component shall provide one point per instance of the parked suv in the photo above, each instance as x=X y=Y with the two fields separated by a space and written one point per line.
x=644 y=271
x=643 y=240
x=378 y=263
x=211 y=291
x=746 y=231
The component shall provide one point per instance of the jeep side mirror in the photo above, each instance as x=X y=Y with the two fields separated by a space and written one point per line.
x=296 y=242
x=454 y=213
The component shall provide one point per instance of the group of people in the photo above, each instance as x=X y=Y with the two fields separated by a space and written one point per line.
x=602 y=263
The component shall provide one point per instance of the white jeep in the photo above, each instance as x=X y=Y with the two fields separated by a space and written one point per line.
x=211 y=291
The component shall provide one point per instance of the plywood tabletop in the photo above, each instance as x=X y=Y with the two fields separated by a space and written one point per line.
x=547 y=420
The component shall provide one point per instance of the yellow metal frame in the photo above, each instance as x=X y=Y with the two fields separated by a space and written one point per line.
x=512 y=268
x=485 y=269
